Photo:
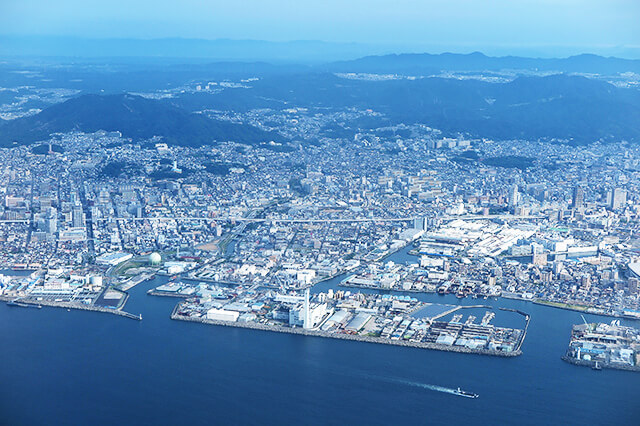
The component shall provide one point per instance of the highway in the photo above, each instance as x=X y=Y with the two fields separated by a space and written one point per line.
x=285 y=220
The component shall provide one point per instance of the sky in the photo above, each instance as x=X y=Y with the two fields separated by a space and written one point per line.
x=544 y=25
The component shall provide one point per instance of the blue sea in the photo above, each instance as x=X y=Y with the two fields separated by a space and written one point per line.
x=64 y=367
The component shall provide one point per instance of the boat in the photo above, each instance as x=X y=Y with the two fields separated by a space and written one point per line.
x=596 y=366
x=465 y=394
x=443 y=289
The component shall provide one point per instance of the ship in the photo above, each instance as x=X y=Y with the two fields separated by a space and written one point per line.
x=465 y=394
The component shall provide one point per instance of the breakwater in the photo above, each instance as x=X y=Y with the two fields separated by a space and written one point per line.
x=71 y=305
x=353 y=337
x=527 y=318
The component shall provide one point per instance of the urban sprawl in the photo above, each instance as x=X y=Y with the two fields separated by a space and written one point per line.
x=255 y=226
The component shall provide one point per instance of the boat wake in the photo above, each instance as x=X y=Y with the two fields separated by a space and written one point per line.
x=435 y=388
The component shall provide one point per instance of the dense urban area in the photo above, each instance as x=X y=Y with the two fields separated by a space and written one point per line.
x=93 y=214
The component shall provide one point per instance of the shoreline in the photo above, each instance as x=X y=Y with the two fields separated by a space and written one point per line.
x=373 y=287
x=587 y=309
x=352 y=337
x=69 y=305
x=542 y=302
x=583 y=363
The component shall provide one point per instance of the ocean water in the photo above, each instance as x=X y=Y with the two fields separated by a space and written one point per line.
x=85 y=368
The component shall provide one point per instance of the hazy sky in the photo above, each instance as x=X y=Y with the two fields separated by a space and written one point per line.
x=578 y=23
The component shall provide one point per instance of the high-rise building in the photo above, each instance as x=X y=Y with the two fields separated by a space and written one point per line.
x=77 y=216
x=578 y=197
x=51 y=225
x=618 y=198
x=514 y=196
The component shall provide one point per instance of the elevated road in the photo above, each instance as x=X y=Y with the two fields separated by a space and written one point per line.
x=337 y=220
x=285 y=220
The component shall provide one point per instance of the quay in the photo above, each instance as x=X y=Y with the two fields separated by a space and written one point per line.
x=342 y=336
x=584 y=363
x=156 y=292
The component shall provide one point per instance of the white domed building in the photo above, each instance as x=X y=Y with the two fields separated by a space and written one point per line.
x=155 y=258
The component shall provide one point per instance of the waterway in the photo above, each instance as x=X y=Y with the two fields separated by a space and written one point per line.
x=79 y=368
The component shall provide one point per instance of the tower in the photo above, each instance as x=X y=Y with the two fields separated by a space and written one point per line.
x=307 y=320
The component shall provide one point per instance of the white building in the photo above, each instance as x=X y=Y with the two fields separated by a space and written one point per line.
x=317 y=311
x=222 y=315
x=113 y=259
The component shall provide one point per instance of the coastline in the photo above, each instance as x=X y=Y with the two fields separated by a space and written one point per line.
x=81 y=307
x=566 y=307
x=373 y=287
x=583 y=363
x=320 y=333
x=548 y=303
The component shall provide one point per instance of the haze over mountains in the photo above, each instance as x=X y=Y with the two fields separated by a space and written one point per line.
x=425 y=63
x=308 y=51
x=529 y=102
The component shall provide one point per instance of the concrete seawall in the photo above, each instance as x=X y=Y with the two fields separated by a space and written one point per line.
x=78 y=306
x=583 y=363
x=319 y=333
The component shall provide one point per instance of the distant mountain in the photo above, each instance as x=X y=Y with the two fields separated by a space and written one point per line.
x=134 y=116
x=425 y=64
x=558 y=106
x=181 y=50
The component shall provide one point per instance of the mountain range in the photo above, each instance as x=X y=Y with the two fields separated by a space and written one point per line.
x=562 y=106
x=425 y=64
x=136 y=117
x=559 y=106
